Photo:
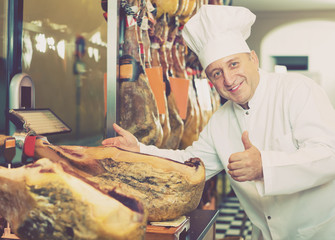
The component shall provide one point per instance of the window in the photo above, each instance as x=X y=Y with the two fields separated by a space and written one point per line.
x=292 y=63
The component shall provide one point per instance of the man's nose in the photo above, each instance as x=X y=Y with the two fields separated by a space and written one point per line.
x=228 y=78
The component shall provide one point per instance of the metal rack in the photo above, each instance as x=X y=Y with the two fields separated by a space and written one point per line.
x=113 y=26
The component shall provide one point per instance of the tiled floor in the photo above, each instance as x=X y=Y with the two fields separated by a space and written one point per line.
x=232 y=220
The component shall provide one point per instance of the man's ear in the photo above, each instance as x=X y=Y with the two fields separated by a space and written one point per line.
x=254 y=58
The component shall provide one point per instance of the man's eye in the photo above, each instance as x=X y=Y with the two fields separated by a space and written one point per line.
x=234 y=64
x=216 y=74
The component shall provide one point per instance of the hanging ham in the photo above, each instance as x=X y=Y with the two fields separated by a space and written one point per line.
x=138 y=109
x=176 y=123
x=192 y=120
x=155 y=34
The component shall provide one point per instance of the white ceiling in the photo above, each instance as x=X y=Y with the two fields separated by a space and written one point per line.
x=285 y=5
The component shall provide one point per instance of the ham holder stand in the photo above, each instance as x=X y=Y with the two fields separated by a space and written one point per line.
x=26 y=124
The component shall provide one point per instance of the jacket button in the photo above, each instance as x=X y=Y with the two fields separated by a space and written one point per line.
x=269 y=217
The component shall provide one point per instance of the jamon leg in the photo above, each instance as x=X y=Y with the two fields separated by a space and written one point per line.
x=43 y=201
x=138 y=108
x=156 y=37
x=139 y=112
x=176 y=123
x=167 y=188
x=192 y=121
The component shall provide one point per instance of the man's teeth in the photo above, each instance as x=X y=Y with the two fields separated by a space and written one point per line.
x=234 y=88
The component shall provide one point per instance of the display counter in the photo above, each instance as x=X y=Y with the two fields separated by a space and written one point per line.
x=202 y=224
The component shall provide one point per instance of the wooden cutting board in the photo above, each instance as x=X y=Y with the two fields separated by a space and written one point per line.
x=168 y=232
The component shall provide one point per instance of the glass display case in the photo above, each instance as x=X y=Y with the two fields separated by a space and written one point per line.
x=64 y=47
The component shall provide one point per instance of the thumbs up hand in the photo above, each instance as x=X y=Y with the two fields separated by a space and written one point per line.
x=246 y=165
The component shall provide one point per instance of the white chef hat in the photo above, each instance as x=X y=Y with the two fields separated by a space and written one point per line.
x=218 y=31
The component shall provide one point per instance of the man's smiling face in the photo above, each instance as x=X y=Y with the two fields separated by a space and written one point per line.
x=235 y=77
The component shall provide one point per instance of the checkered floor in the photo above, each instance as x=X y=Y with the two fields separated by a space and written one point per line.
x=232 y=220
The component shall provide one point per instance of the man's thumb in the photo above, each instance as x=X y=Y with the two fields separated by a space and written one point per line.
x=119 y=130
x=246 y=141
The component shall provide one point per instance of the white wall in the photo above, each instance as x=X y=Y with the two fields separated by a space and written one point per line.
x=294 y=34
x=315 y=39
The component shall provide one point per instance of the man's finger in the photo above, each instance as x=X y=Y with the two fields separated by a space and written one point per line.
x=114 y=141
x=235 y=157
x=235 y=165
x=119 y=130
x=246 y=141
x=108 y=141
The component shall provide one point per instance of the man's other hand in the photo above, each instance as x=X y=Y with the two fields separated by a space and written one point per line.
x=125 y=140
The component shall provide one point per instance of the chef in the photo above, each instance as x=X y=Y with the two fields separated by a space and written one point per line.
x=275 y=135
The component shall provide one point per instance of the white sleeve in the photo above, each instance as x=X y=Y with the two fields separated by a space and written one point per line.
x=203 y=148
x=177 y=155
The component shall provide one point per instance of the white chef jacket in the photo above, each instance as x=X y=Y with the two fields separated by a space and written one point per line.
x=292 y=123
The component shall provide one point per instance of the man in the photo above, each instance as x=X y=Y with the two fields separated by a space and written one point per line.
x=275 y=135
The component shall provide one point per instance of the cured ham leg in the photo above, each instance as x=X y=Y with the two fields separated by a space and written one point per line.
x=168 y=189
x=138 y=108
x=178 y=56
x=192 y=121
x=176 y=123
x=45 y=200
x=156 y=33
